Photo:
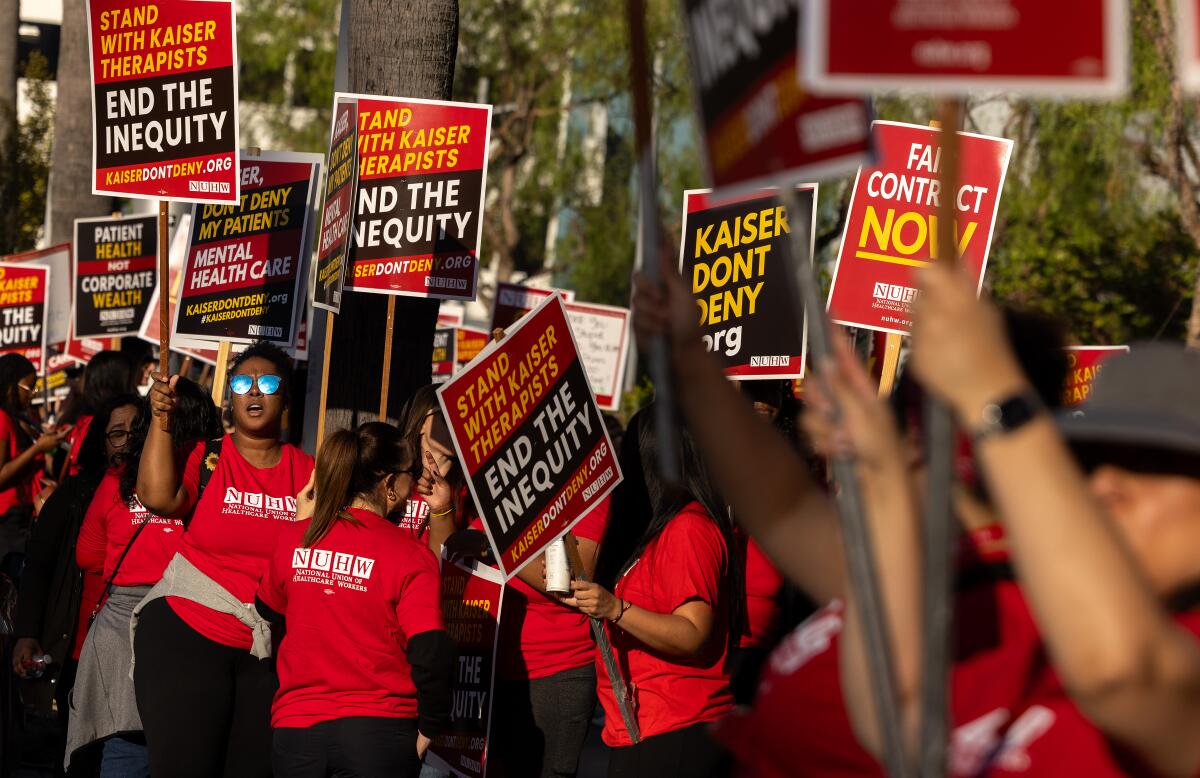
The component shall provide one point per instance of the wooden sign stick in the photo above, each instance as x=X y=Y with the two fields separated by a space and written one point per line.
x=328 y=349
x=164 y=301
x=386 y=379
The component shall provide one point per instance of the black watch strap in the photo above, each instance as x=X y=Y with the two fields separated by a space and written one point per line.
x=1009 y=414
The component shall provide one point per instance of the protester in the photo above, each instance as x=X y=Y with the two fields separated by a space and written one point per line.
x=418 y=419
x=365 y=665
x=1109 y=562
x=130 y=547
x=23 y=449
x=56 y=597
x=108 y=374
x=673 y=608
x=213 y=717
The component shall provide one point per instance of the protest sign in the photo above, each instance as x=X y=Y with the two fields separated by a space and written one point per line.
x=602 y=333
x=164 y=99
x=759 y=124
x=116 y=268
x=444 y=341
x=451 y=315
x=418 y=211
x=530 y=438
x=58 y=302
x=1084 y=363
x=892 y=225
x=54 y=382
x=150 y=324
x=1074 y=48
x=341 y=183
x=471 y=605
x=468 y=342
x=515 y=300
x=736 y=255
x=24 y=292
x=81 y=350
x=243 y=275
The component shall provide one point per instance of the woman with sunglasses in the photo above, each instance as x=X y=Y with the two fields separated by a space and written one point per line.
x=22 y=456
x=351 y=578
x=202 y=672
x=130 y=547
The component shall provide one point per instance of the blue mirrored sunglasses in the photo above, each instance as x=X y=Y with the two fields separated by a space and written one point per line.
x=242 y=384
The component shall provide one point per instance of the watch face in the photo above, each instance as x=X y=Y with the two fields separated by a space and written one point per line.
x=1018 y=410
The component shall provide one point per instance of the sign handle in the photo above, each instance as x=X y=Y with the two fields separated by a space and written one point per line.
x=220 y=372
x=329 y=317
x=649 y=231
x=620 y=690
x=164 y=301
x=938 y=525
x=386 y=379
x=860 y=559
x=891 y=361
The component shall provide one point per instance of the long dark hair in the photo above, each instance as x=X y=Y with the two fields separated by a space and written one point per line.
x=645 y=503
x=351 y=464
x=14 y=367
x=92 y=455
x=195 y=418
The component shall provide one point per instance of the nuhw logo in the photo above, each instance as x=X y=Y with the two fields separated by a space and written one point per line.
x=259 y=500
x=327 y=561
x=895 y=293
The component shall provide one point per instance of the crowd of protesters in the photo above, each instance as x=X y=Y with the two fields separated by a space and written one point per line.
x=171 y=580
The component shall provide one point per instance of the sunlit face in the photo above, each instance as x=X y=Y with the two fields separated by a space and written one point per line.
x=435 y=440
x=255 y=412
x=1158 y=516
x=116 y=434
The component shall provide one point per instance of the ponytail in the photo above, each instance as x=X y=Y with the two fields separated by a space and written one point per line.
x=351 y=464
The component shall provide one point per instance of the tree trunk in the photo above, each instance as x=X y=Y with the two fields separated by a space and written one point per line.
x=10 y=22
x=402 y=49
x=71 y=161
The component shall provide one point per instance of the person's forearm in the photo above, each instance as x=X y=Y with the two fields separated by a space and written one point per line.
x=12 y=469
x=762 y=478
x=893 y=517
x=666 y=633
x=440 y=528
x=158 y=482
x=1131 y=670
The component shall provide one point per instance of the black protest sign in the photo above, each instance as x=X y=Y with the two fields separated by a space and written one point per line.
x=337 y=211
x=737 y=260
x=116 y=268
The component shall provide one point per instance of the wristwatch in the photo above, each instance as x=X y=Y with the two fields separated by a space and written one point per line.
x=1007 y=415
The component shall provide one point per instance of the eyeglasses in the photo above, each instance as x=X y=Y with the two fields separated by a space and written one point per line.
x=242 y=384
x=29 y=388
x=117 y=437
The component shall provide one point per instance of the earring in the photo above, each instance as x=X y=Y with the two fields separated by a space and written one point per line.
x=391 y=495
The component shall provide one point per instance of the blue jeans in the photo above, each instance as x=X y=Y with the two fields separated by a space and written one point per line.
x=124 y=758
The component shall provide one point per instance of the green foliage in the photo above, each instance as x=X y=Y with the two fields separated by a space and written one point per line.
x=25 y=164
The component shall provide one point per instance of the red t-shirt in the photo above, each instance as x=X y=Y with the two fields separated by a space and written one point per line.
x=352 y=602
x=76 y=436
x=416 y=516
x=688 y=561
x=107 y=529
x=22 y=488
x=539 y=636
x=234 y=529
x=763 y=583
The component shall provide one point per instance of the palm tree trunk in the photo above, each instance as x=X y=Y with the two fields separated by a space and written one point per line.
x=71 y=161
x=10 y=22
x=401 y=48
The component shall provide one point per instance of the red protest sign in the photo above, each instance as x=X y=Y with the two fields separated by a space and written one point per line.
x=24 y=291
x=891 y=227
x=515 y=300
x=418 y=211
x=244 y=271
x=529 y=436
x=116 y=267
x=1083 y=366
x=468 y=343
x=759 y=124
x=451 y=315
x=1057 y=49
x=164 y=99
x=471 y=605
x=150 y=330
x=602 y=332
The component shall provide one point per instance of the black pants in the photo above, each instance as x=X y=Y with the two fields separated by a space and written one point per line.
x=205 y=707
x=538 y=726
x=684 y=753
x=361 y=747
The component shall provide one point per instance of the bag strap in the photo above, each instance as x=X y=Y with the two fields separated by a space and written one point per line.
x=208 y=466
